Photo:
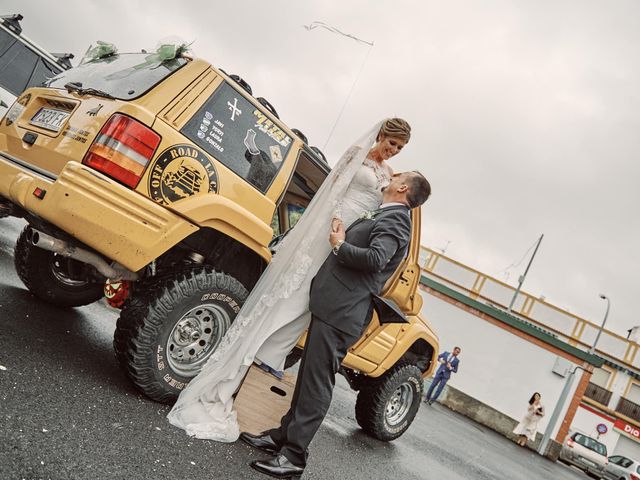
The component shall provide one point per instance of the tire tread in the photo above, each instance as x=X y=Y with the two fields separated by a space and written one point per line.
x=372 y=400
x=29 y=262
x=143 y=315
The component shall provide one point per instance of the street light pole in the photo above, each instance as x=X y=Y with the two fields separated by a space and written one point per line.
x=606 y=314
x=567 y=386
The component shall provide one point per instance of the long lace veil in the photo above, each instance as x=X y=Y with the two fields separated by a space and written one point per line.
x=276 y=307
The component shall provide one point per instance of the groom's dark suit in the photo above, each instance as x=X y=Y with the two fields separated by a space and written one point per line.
x=341 y=302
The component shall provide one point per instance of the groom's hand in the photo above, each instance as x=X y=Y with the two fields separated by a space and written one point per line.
x=337 y=234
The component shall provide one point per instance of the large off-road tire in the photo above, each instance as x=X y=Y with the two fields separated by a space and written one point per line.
x=168 y=330
x=53 y=278
x=387 y=405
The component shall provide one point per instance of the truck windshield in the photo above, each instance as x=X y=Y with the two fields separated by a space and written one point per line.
x=125 y=76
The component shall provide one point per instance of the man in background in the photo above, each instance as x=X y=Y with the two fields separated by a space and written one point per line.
x=449 y=362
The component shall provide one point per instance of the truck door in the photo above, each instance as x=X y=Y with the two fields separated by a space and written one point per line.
x=402 y=287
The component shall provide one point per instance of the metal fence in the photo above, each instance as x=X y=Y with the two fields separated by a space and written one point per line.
x=570 y=328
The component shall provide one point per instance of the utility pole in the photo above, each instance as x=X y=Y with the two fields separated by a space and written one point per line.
x=606 y=314
x=524 y=275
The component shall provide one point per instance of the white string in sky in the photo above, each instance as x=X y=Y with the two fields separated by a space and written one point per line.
x=313 y=25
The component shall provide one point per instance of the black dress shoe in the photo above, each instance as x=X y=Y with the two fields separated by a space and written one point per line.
x=278 y=467
x=262 y=441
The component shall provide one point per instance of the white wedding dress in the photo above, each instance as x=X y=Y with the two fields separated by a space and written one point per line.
x=276 y=312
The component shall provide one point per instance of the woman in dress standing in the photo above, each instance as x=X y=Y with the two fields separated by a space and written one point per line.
x=528 y=427
x=276 y=312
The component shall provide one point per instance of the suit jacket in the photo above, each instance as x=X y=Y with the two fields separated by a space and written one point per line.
x=443 y=370
x=342 y=291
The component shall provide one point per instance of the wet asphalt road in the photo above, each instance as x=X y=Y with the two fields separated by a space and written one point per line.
x=68 y=412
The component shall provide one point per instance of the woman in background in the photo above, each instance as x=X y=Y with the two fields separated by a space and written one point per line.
x=528 y=427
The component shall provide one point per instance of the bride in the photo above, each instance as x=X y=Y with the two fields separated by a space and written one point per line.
x=276 y=313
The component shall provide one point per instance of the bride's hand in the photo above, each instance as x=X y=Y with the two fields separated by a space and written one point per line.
x=337 y=236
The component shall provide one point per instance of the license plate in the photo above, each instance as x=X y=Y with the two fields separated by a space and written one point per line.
x=49 y=119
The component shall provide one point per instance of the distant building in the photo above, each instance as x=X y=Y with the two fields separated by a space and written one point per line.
x=506 y=357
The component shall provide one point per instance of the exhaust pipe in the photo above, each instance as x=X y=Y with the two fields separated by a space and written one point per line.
x=46 y=242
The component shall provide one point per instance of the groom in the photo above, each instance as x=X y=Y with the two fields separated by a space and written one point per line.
x=341 y=302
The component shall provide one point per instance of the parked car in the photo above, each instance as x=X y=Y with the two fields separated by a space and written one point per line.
x=586 y=453
x=159 y=183
x=622 y=468
x=23 y=64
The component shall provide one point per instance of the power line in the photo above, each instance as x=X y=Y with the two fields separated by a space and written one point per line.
x=346 y=100
x=513 y=265
x=332 y=29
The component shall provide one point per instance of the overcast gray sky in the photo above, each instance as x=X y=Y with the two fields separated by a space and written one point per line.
x=525 y=114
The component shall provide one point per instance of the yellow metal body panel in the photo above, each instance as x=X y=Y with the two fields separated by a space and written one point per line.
x=230 y=186
x=183 y=107
x=133 y=227
x=113 y=220
x=402 y=287
x=381 y=346
x=221 y=214
x=237 y=209
x=54 y=149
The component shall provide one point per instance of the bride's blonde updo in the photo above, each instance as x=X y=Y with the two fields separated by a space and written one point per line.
x=397 y=128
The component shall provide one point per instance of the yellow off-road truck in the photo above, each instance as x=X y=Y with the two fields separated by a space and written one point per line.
x=159 y=182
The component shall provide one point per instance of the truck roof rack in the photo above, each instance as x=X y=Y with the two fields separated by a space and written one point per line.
x=12 y=22
x=64 y=59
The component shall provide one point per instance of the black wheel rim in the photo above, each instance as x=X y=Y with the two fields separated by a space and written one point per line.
x=68 y=272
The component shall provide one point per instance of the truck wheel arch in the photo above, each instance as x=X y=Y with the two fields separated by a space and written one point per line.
x=421 y=354
x=228 y=254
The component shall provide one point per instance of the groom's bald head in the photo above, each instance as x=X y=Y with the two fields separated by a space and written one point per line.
x=410 y=188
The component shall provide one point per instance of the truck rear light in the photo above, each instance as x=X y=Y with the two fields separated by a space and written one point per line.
x=123 y=149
